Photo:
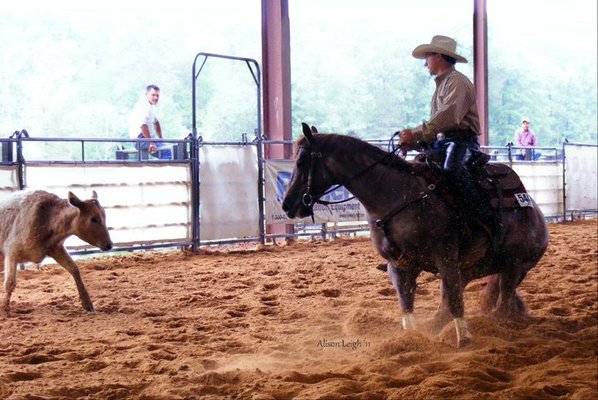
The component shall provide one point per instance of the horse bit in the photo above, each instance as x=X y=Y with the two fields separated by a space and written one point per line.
x=307 y=199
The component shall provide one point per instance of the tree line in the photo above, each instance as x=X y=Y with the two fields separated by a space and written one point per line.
x=68 y=76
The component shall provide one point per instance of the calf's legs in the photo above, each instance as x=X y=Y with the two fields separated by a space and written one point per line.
x=63 y=258
x=10 y=282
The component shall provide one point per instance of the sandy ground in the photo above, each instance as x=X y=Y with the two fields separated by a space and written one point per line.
x=311 y=320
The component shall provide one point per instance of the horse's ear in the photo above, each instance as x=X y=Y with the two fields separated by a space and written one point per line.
x=313 y=129
x=306 y=131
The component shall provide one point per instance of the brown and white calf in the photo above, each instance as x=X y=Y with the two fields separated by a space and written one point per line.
x=35 y=224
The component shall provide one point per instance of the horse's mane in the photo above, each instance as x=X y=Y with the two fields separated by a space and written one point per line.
x=349 y=145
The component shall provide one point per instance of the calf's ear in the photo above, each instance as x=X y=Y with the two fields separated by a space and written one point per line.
x=74 y=200
x=94 y=195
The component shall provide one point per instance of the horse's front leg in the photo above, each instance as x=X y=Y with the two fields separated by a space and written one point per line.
x=452 y=293
x=443 y=314
x=405 y=283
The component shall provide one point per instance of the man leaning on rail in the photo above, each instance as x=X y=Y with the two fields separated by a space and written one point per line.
x=143 y=120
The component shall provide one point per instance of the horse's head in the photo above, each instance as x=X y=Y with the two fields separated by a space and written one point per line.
x=310 y=177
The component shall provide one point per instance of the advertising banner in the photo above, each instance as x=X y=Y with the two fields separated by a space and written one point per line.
x=278 y=175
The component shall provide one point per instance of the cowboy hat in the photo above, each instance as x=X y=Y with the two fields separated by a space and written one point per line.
x=439 y=44
x=525 y=119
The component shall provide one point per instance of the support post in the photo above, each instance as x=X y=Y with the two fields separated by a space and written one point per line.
x=276 y=67
x=480 y=73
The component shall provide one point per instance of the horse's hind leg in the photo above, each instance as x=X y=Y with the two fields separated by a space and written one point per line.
x=509 y=303
x=520 y=305
x=489 y=298
x=489 y=293
x=405 y=283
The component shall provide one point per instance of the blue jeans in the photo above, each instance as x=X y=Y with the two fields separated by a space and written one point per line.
x=164 y=151
x=458 y=152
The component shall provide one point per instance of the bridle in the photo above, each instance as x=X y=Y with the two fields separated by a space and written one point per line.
x=309 y=200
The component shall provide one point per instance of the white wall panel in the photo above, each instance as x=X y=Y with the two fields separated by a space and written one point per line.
x=145 y=204
x=581 y=163
x=228 y=177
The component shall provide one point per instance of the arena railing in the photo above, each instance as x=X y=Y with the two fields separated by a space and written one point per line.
x=560 y=182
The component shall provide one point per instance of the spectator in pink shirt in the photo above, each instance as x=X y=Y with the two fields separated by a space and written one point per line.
x=526 y=139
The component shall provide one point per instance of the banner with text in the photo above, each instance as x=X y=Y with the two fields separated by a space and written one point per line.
x=278 y=175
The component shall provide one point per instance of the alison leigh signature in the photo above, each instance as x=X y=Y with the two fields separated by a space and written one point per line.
x=343 y=344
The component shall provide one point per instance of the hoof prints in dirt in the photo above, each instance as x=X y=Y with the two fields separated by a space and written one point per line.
x=232 y=325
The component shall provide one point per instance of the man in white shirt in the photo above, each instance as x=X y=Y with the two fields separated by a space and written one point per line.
x=144 y=120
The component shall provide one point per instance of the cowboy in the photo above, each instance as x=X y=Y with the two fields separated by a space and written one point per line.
x=454 y=113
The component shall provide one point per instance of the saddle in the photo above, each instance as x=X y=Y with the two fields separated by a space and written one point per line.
x=498 y=182
x=502 y=186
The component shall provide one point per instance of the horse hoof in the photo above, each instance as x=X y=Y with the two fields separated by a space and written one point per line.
x=382 y=267
x=463 y=334
x=88 y=307
x=463 y=342
x=408 y=322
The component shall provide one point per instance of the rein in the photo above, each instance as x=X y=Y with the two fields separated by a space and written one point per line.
x=308 y=200
x=382 y=223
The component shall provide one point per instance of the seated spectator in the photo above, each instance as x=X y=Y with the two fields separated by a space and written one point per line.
x=144 y=120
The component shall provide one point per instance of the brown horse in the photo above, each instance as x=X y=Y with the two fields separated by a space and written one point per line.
x=415 y=230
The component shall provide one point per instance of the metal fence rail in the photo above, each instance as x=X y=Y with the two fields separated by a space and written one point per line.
x=133 y=189
x=227 y=192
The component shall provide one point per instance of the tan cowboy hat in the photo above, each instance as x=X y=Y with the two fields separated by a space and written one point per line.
x=439 y=44
x=525 y=119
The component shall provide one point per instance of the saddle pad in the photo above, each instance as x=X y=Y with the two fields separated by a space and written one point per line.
x=501 y=174
x=503 y=187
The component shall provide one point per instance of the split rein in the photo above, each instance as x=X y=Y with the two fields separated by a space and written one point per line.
x=308 y=199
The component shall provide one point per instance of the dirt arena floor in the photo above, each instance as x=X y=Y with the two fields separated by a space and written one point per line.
x=311 y=320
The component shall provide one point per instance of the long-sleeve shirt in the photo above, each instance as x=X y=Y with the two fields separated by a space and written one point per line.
x=453 y=107
x=525 y=138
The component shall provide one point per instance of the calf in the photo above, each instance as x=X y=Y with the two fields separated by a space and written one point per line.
x=35 y=224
